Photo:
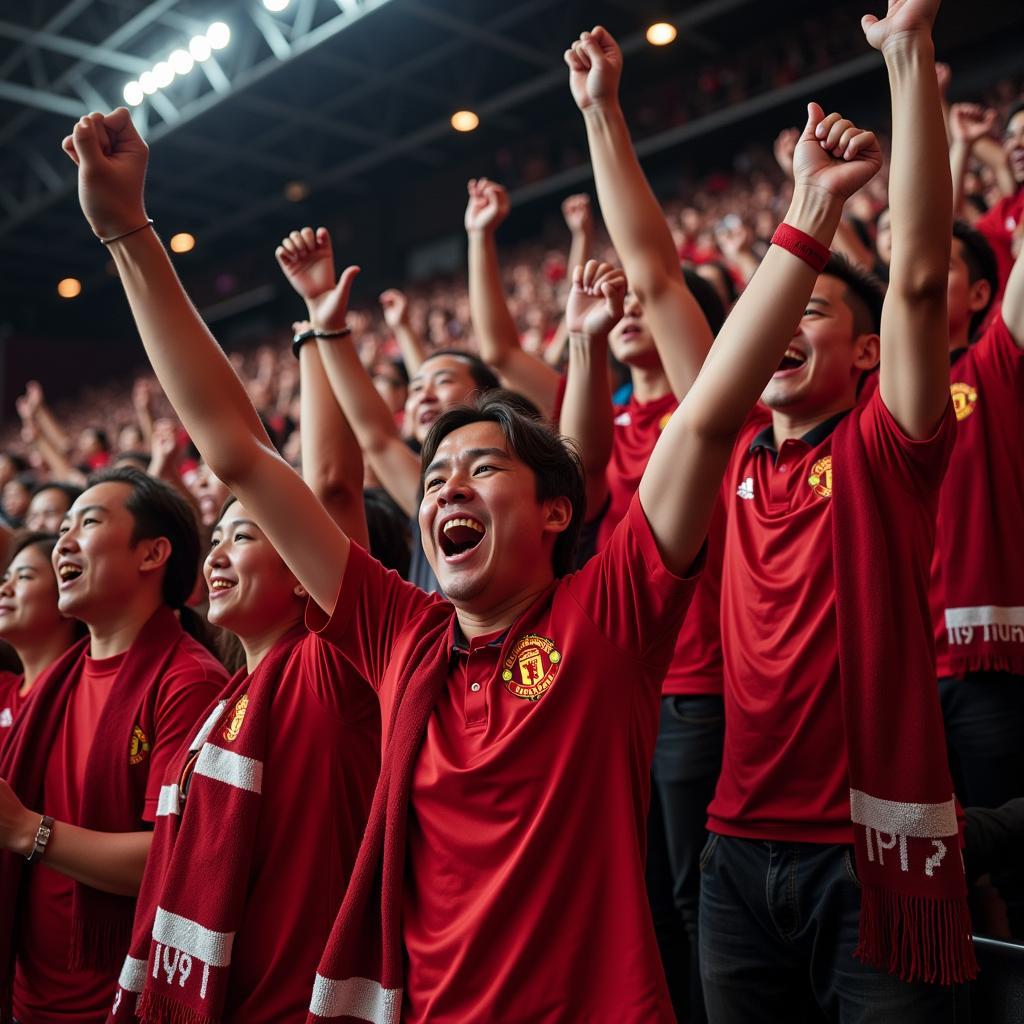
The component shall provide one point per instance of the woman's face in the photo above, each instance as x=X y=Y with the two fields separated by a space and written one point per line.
x=28 y=597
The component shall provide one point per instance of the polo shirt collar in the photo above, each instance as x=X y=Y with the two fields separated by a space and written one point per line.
x=766 y=438
x=460 y=645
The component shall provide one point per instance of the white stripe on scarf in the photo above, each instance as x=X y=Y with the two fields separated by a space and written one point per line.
x=213 y=948
x=361 y=998
x=985 y=615
x=133 y=974
x=893 y=817
x=230 y=768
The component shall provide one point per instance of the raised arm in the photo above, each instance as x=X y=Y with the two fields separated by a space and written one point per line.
x=969 y=123
x=1013 y=300
x=914 y=374
x=395 y=306
x=195 y=374
x=594 y=308
x=493 y=325
x=580 y=222
x=309 y=267
x=633 y=216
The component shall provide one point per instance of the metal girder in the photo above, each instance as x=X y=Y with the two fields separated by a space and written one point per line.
x=74 y=48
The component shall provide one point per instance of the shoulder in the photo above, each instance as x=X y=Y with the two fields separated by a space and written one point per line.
x=191 y=662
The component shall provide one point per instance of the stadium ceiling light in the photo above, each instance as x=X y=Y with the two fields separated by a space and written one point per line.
x=69 y=288
x=661 y=33
x=200 y=48
x=276 y=6
x=465 y=121
x=218 y=35
x=296 y=191
x=133 y=94
x=182 y=242
x=163 y=74
x=148 y=82
x=182 y=62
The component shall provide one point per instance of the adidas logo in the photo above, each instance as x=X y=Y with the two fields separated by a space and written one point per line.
x=6 y=718
x=746 y=489
x=623 y=419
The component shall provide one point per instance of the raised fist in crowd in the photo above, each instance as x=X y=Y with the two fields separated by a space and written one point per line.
x=969 y=122
x=488 y=205
x=595 y=67
x=903 y=19
x=834 y=155
x=307 y=259
x=395 y=306
x=577 y=214
x=596 y=299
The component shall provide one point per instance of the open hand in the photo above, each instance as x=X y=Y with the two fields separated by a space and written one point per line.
x=111 y=158
x=903 y=18
x=834 y=155
x=488 y=205
x=595 y=67
x=307 y=260
x=596 y=299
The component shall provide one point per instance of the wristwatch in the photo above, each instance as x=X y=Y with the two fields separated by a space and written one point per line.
x=42 y=838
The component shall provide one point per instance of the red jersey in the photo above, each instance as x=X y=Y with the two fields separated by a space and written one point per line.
x=525 y=894
x=784 y=773
x=318 y=780
x=45 y=990
x=977 y=591
x=998 y=226
x=696 y=667
x=10 y=700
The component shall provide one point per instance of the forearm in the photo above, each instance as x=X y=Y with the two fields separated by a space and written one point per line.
x=192 y=369
x=332 y=463
x=493 y=325
x=579 y=248
x=959 y=152
x=411 y=347
x=57 y=462
x=746 y=263
x=48 y=427
x=1013 y=301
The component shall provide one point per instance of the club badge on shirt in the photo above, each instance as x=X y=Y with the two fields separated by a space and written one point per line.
x=820 y=480
x=235 y=725
x=965 y=396
x=138 y=748
x=531 y=667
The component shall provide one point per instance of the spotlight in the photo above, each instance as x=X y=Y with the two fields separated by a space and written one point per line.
x=661 y=33
x=276 y=6
x=296 y=191
x=465 y=120
x=133 y=94
x=69 y=288
x=148 y=82
x=163 y=74
x=218 y=35
x=182 y=242
x=200 y=48
x=182 y=62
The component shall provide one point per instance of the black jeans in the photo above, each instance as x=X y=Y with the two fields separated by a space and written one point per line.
x=778 y=926
x=687 y=760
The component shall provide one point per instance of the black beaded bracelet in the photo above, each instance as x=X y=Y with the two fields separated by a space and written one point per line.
x=302 y=337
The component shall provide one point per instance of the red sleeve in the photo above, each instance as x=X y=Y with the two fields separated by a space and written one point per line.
x=374 y=607
x=918 y=466
x=191 y=684
x=336 y=685
x=630 y=595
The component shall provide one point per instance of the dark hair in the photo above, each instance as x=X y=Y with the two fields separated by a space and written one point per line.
x=554 y=460
x=133 y=458
x=388 y=528
x=707 y=298
x=160 y=511
x=483 y=376
x=70 y=491
x=865 y=293
x=19 y=463
x=45 y=542
x=101 y=437
x=1013 y=112
x=981 y=266
x=397 y=365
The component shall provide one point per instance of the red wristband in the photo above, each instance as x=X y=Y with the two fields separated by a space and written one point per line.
x=802 y=245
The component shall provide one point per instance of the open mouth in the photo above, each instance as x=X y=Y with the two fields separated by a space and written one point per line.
x=792 y=360
x=630 y=330
x=68 y=572
x=460 y=535
x=219 y=586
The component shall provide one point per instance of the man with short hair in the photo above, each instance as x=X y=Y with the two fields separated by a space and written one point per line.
x=81 y=772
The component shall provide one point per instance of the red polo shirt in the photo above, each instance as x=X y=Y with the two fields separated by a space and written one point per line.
x=10 y=700
x=784 y=773
x=45 y=990
x=696 y=666
x=525 y=895
x=977 y=587
x=998 y=226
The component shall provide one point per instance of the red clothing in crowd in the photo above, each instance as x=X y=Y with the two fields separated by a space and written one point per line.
x=524 y=893
x=977 y=592
x=998 y=226
x=696 y=667
x=10 y=700
x=45 y=990
x=785 y=770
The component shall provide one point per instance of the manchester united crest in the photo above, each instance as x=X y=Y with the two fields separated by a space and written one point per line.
x=531 y=667
x=965 y=397
x=820 y=480
x=235 y=725
x=138 y=746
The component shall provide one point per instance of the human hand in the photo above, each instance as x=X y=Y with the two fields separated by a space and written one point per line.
x=576 y=211
x=595 y=67
x=903 y=19
x=165 y=451
x=18 y=825
x=395 y=305
x=488 y=205
x=141 y=396
x=307 y=260
x=969 y=122
x=943 y=76
x=34 y=396
x=734 y=238
x=834 y=155
x=595 y=300
x=111 y=158
x=785 y=143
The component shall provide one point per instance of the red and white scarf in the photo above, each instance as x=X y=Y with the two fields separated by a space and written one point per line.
x=197 y=876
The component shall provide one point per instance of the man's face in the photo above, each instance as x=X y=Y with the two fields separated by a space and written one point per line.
x=98 y=567
x=630 y=339
x=1013 y=145
x=209 y=492
x=46 y=510
x=441 y=383
x=963 y=299
x=823 y=363
x=390 y=385
x=484 y=532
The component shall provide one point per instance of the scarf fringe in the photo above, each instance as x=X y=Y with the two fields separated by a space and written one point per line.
x=916 y=938
x=965 y=664
x=99 y=945
x=158 y=1008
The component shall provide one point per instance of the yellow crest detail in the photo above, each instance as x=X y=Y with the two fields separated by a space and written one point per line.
x=138 y=747
x=663 y=422
x=235 y=725
x=531 y=667
x=965 y=396
x=820 y=479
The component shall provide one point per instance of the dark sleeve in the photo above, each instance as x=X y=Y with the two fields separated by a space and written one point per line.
x=994 y=839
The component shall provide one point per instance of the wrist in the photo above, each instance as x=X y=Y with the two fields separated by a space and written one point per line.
x=23 y=839
x=602 y=109
x=815 y=211
x=915 y=45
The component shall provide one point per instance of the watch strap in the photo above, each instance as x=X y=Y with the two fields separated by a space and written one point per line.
x=43 y=834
